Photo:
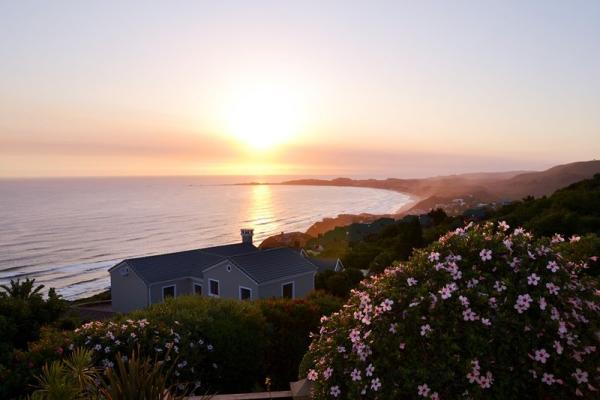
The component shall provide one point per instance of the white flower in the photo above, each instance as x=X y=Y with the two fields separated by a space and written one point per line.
x=425 y=329
x=503 y=225
x=411 y=281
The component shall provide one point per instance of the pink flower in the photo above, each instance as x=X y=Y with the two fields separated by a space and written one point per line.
x=386 y=305
x=533 y=280
x=574 y=238
x=552 y=266
x=557 y=238
x=552 y=288
x=541 y=356
x=548 y=379
x=355 y=375
x=375 y=384
x=523 y=303
x=423 y=390
x=335 y=391
x=328 y=372
x=411 y=281
x=469 y=315
x=543 y=303
x=370 y=370
x=558 y=347
x=434 y=256
x=312 y=375
x=485 y=255
x=580 y=376
x=503 y=225
x=499 y=286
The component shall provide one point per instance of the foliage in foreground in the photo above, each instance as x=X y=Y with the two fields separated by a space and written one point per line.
x=483 y=313
x=76 y=377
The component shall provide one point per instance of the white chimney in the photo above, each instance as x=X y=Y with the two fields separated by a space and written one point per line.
x=247 y=235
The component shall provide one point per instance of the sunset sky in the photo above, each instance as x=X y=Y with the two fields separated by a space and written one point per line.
x=373 y=88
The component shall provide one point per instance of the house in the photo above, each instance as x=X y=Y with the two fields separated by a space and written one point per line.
x=323 y=264
x=238 y=271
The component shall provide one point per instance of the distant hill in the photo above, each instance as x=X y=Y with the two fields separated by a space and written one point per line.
x=455 y=193
x=574 y=209
x=546 y=182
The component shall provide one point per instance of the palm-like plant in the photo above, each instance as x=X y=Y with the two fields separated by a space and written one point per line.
x=21 y=289
x=137 y=378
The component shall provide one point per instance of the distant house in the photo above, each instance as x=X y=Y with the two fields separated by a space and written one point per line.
x=238 y=271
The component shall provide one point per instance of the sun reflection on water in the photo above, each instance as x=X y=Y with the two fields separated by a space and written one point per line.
x=261 y=211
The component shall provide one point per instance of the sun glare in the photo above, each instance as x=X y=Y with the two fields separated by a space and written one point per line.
x=263 y=117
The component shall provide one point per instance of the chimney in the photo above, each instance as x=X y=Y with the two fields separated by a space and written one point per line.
x=247 y=235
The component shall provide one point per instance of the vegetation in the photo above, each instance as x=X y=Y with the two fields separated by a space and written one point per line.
x=75 y=377
x=572 y=210
x=486 y=312
x=211 y=345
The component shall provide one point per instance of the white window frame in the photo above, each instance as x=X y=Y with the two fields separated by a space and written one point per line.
x=194 y=284
x=210 y=288
x=293 y=289
x=240 y=292
x=162 y=290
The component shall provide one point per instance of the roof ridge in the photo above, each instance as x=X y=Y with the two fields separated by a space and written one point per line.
x=160 y=255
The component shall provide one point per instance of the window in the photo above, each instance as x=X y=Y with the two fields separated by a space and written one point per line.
x=168 y=291
x=245 y=293
x=198 y=289
x=213 y=287
x=287 y=290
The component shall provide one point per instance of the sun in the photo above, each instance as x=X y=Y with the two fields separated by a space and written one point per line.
x=263 y=117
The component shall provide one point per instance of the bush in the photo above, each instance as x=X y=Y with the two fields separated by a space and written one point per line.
x=289 y=324
x=236 y=329
x=481 y=313
x=172 y=344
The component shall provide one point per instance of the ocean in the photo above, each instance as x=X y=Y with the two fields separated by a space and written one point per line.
x=66 y=233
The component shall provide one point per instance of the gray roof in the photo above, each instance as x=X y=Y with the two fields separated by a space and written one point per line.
x=266 y=265
x=164 y=267
x=229 y=250
x=260 y=265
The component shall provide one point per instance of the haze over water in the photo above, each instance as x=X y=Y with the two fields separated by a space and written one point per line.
x=66 y=233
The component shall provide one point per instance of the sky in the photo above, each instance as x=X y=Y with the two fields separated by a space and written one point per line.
x=373 y=88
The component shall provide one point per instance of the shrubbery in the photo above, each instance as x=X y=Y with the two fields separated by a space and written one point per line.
x=288 y=327
x=483 y=313
x=235 y=329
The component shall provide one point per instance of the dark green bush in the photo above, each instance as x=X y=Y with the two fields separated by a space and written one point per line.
x=236 y=330
x=289 y=324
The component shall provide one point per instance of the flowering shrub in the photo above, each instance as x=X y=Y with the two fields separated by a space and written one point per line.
x=183 y=351
x=485 y=312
